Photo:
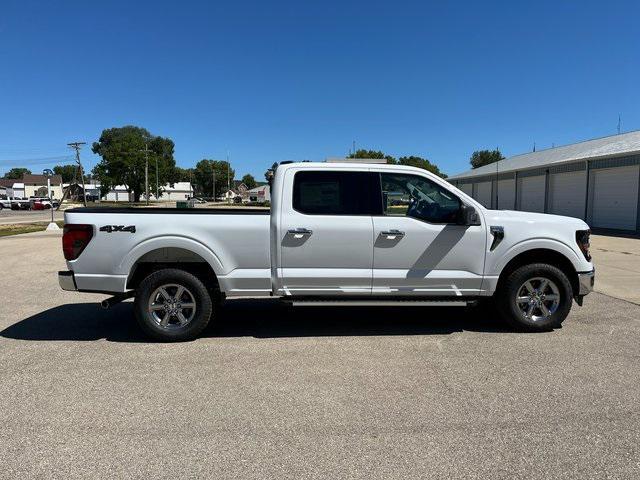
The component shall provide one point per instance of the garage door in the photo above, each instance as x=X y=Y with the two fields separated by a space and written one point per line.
x=466 y=188
x=531 y=192
x=567 y=193
x=506 y=194
x=614 y=197
x=483 y=193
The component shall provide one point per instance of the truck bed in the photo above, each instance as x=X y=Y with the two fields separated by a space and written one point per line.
x=233 y=241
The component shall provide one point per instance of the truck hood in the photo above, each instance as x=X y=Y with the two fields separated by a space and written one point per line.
x=514 y=217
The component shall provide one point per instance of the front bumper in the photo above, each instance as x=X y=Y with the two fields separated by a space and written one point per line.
x=67 y=281
x=586 y=281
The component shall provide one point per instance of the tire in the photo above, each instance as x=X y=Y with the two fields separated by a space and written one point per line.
x=162 y=295
x=528 y=304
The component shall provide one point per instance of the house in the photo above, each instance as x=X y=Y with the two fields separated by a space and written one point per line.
x=75 y=191
x=17 y=190
x=179 y=191
x=6 y=184
x=11 y=187
x=119 y=193
x=36 y=186
x=259 y=194
x=595 y=180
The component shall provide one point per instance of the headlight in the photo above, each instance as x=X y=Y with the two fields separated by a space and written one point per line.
x=582 y=239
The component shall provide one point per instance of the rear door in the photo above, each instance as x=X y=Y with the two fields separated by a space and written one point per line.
x=326 y=232
x=419 y=249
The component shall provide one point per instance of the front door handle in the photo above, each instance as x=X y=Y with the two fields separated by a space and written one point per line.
x=300 y=232
x=393 y=234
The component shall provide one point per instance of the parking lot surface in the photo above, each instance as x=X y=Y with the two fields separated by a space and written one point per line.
x=274 y=392
x=28 y=216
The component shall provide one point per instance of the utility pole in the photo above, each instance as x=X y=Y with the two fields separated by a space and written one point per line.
x=213 y=178
x=228 y=179
x=146 y=172
x=157 y=189
x=76 y=146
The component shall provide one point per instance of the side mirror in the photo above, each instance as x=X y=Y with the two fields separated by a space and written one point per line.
x=468 y=215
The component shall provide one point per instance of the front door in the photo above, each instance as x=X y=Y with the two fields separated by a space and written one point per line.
x=326 y=233
x=419 y=249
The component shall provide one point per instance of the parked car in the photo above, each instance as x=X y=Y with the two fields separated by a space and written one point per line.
x=40 y=203
x=331 y=238
x=5 y=203
x=19 y=203
x=196 y=200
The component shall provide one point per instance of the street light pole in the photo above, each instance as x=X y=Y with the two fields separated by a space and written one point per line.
x=49 y=173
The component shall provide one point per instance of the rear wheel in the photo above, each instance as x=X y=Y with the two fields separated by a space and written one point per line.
x=172 y=305
x=535 y=297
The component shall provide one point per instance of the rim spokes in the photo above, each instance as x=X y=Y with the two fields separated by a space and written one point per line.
x=164 y=321
x=543 y=285
x=172 y=306
x=530 y=310
x=534 y=302
x=544 y=309
x=179 y=292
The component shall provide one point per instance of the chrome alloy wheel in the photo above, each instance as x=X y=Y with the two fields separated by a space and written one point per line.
x=538 y=298
x=172 y=306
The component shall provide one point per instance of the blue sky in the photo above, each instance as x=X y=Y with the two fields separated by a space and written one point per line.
x=271 y=81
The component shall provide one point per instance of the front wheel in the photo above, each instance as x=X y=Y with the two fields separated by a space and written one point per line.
x=172 y=305
x=535 y=297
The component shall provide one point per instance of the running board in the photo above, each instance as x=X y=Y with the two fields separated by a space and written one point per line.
x=381 y=303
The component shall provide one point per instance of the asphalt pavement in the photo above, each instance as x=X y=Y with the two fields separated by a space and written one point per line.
x=276 y=392
x=28 y=216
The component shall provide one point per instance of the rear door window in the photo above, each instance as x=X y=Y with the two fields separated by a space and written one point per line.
x=336 y=193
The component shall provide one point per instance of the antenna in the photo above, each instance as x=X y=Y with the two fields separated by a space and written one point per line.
x=619 y=123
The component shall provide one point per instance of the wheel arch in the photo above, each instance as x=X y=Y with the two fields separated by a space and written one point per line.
x=172 y=257
x=541 y=255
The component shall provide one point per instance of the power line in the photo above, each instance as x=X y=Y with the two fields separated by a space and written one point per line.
x=36 y=161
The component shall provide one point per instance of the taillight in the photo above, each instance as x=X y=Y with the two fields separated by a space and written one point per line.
x=582 y=239
x=75 y=238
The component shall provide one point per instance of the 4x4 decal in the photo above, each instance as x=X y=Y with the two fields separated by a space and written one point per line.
x=118 y=228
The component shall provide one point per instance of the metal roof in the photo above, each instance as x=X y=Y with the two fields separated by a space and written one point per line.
x=614 y=145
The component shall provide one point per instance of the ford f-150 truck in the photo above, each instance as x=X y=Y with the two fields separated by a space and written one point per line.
x=336 y=234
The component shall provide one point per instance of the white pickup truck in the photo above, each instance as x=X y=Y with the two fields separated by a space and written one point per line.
x=337 y=234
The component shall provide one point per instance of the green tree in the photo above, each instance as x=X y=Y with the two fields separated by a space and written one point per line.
x=249 y=181
x=16 y=173
x=184 y=174
x=67 y=172
x=420 y=162
x=204 y=175
x=373 y=154
x=123 y=159
x=480 y=158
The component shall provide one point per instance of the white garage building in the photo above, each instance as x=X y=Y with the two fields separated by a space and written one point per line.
x=597 y=181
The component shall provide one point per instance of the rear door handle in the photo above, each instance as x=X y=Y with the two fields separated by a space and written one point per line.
x=299 y=232
x=393 y=234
